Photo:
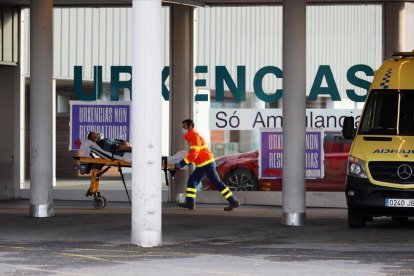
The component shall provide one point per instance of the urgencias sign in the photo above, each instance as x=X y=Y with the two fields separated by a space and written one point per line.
x=323 y=84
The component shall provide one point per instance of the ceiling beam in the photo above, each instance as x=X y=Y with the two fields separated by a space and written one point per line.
x=196 y=3
x=100 y=3
x=280 y=2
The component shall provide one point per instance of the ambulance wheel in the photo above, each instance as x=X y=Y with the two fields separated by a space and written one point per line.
x=241 y=179
x=355 y=220
x=99 y=202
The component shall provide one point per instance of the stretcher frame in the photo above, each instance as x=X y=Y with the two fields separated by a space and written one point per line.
x=97 y=167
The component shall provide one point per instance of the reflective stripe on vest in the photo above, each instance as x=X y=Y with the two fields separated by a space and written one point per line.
x=199 y=147
x=206 y=162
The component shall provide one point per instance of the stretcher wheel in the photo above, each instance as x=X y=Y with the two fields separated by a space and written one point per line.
x=105 y=201
x=99 y=202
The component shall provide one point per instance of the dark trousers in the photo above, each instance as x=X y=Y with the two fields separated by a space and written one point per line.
x=210 y=171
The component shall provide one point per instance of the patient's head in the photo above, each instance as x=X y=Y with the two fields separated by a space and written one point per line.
x=93 y=136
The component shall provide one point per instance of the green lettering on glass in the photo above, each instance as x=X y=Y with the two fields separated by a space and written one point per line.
x=223 y=76
x=165 y=74
x=97 y=84
x=117 y=84
x=258 y=81
x=354 y=80
x=331 y=89
x=201 y=83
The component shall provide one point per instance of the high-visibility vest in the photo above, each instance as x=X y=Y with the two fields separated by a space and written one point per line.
x=199 y=154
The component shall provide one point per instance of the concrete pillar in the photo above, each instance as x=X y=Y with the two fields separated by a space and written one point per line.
x=146 y=123
x=41 y=113
x=181 y=83
x=394 y=28
x=294 y=107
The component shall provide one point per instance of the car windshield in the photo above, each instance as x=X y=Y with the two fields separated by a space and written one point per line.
x=389 y=112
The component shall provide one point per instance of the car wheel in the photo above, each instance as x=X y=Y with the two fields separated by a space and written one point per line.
x=241 y=179
x=355 y=220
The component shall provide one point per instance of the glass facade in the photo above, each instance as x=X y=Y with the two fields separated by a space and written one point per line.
x=238 y=62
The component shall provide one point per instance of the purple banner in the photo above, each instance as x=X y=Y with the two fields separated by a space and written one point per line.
x=271 y=153
x=111 y=119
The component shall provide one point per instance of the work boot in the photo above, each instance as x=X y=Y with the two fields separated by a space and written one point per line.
x=184 y=205
x=232 y=206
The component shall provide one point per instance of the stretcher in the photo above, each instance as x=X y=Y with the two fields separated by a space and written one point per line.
x=99 y=162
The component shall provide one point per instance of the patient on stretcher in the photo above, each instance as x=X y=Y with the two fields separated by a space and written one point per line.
x=102 y=147
x=116 y=149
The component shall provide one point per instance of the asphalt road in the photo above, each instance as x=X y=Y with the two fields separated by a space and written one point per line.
x=250 y=240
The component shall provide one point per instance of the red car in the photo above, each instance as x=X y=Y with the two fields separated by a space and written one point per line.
x=240 y=171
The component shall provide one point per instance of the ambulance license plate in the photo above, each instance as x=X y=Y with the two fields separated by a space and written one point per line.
x=396 y=202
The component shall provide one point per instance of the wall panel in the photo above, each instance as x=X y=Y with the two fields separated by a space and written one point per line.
x=9 y=34
x=88 y=37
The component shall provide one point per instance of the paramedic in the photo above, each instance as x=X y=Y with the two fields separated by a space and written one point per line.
x=110 y=145
x=206 y=166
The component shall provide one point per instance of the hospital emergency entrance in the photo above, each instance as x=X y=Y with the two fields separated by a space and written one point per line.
x=36 y=111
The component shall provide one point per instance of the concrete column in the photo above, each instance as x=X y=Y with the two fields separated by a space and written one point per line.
x=146 y=123
x=41 y=113
x=294 y=105
x=394 y=28
x=181 y=83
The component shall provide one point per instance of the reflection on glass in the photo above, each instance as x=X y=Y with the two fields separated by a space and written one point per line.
x=389 y=112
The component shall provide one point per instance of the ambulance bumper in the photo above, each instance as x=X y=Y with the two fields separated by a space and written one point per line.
x=372 y=200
